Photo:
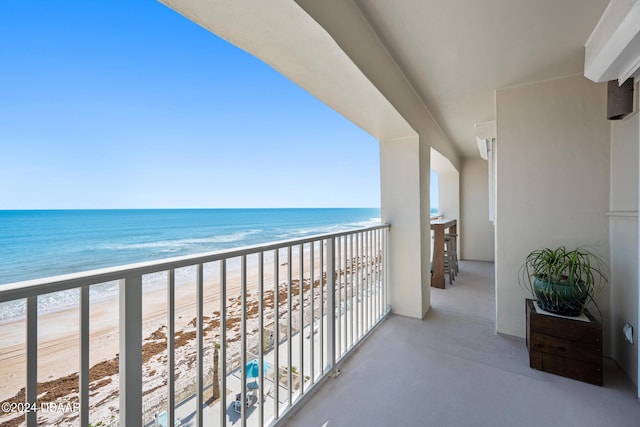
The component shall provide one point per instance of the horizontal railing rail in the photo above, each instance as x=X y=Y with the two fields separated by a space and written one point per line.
x=296 y=308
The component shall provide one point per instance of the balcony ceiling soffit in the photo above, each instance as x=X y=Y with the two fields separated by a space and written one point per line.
x=281 y=34
x=456 y=53
x=613 y=49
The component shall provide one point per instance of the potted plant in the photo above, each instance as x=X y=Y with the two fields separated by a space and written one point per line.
x=563 y=281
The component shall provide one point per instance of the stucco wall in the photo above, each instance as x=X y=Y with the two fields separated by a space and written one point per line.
x=353 y=33
x=476 y=230
x=552 y=181
x=449 y=194
x=623 y=227
x=404 y=178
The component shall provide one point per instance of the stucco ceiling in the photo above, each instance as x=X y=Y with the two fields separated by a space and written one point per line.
x=453 y=53
x=456 y=53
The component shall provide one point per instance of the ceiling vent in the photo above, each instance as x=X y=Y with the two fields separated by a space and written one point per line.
x=613 y=49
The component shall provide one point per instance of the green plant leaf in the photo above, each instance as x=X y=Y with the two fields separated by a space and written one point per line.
x=579 y=269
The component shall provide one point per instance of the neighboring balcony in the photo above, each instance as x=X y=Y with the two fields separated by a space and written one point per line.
x=261 y=325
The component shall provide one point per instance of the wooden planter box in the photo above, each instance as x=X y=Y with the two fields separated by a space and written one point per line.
x=566 y=347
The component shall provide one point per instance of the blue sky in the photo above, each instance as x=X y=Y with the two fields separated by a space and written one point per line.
x=119 y=104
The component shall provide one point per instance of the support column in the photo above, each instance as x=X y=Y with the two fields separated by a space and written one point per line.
x=404 y=188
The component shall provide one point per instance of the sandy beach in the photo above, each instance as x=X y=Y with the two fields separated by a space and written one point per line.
x=58 y=339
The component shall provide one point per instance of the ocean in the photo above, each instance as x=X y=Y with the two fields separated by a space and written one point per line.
x=43 y=243
x=35 y=244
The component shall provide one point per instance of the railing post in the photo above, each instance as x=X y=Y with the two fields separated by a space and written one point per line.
x=199 y=345
x=32 y=360
x=322 y=310
x=312 y=321
x=331 y=305
x=301 y=327
x=223 y=340
x=276 y=332
x=83 y=393
x=171 y=334
x=289 y=334
x=131 y=351
x=385 y=264
x=352 y=300
x=261 y=329
x=338 y=247
x=243 y=341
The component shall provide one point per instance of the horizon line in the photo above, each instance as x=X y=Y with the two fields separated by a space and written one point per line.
x=185 y=208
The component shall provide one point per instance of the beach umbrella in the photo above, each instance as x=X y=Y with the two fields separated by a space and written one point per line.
x=253 y=368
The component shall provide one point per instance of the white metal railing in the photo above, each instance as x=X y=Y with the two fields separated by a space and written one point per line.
x=304 y=304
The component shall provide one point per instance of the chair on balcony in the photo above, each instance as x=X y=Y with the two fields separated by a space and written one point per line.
x=453 y=248
x=449 y=263
x=450 y=257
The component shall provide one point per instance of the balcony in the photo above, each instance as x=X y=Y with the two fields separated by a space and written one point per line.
x=293 y=309
x=452 y=369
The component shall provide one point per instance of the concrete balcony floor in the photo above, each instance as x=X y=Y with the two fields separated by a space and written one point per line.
x=452 y=369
